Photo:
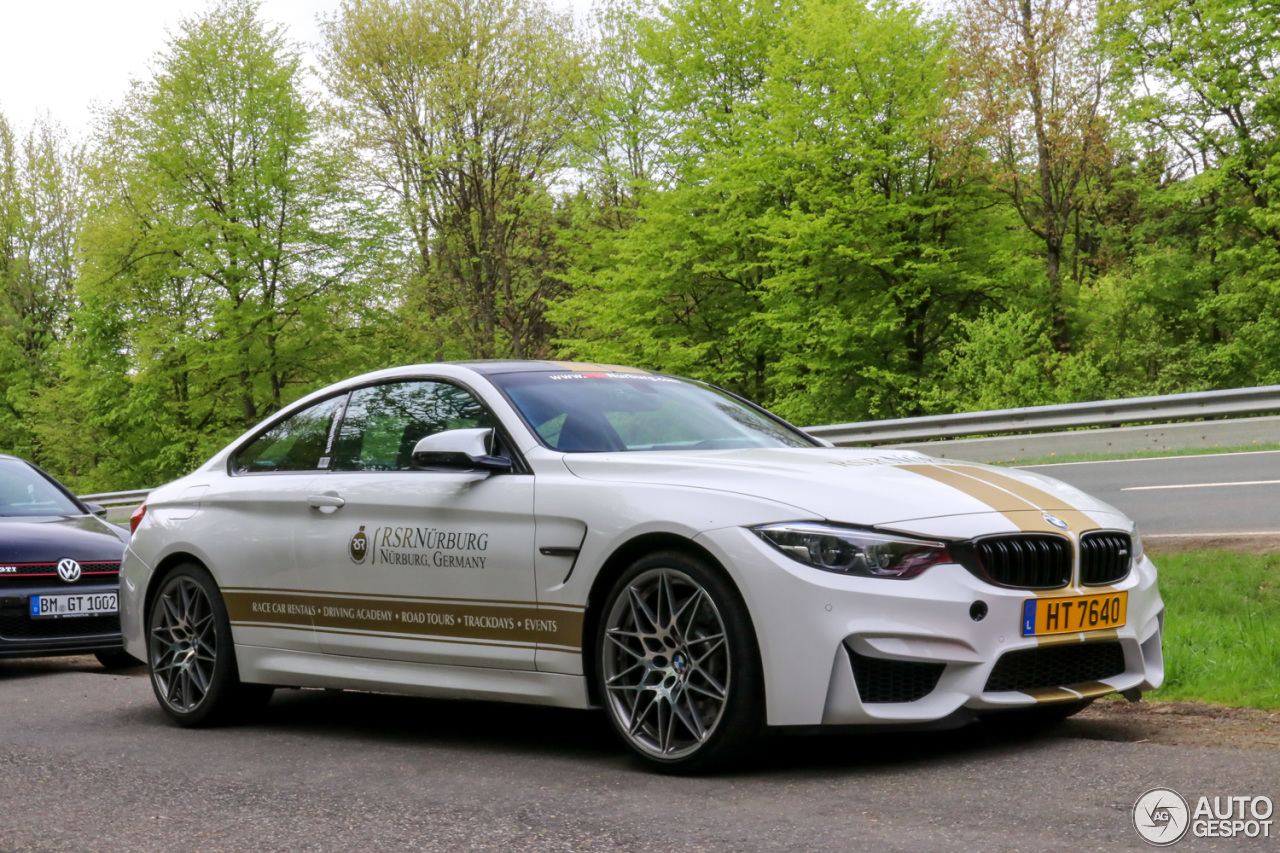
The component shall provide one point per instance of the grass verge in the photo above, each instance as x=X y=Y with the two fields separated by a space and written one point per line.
x=1222 y=628
x=1153 y=453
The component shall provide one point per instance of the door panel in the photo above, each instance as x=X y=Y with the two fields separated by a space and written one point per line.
x=426 y=566
x=431 y=566
x=250 y=520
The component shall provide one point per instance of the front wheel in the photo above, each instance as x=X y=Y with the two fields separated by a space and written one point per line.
x=678 y=665
x=191 y=656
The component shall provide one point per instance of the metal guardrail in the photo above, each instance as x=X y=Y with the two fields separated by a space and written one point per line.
x=136 y=496
x=1173 y=407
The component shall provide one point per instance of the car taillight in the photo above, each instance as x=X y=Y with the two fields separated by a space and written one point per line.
x=136 y=518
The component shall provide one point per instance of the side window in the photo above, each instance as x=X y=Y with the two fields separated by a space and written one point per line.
x=296 y=444
x=384 y=422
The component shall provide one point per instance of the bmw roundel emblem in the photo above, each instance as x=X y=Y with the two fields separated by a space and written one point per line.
x=69 y=570
x=1056 y=522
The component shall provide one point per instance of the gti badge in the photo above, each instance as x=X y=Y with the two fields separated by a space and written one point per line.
x=69 y=570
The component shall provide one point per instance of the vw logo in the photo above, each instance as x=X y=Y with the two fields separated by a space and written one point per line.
x=1056 y=522
x=69 y=570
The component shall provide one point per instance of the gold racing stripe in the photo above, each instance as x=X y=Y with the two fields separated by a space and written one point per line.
x=1093 y=689
x=443 y=620
x=1025 y=515
x=1050 y=694
x=1078 y=637
x=1041 y=499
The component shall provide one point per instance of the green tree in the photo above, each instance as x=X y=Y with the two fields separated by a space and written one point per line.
x=1007 y=360
x=40 y=189
x=226 y=268
x=1037 y=89
x=463 y=109
x=823 y=234
x=1205 y=87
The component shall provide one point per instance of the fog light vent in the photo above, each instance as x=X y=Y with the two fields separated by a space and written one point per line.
x=879 y=680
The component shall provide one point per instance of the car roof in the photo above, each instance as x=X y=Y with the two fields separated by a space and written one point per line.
x=488 y=367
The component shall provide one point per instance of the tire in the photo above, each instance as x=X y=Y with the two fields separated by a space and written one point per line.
x=190 y=654
x=117 y=659
x=677 y=665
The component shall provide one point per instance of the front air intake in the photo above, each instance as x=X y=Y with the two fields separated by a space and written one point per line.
x=1055 y=666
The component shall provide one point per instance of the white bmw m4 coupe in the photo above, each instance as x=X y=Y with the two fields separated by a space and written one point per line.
x=598 y=536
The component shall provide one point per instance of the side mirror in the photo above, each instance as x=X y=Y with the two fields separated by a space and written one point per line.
x=459 y=450
x=96 y=509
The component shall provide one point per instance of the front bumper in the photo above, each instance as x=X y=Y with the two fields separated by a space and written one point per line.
x=22 y=636
x=921 y=655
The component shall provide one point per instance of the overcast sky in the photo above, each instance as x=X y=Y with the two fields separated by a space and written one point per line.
x=65 y=55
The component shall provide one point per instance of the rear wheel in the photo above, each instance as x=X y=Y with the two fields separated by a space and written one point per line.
x=191 y=656
x=678 y=666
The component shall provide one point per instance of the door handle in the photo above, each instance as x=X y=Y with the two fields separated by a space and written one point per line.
x=327 y=503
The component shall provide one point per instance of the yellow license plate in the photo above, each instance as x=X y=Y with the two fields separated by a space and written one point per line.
x=1070 y=614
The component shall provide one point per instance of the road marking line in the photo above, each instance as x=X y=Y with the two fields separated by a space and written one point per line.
x=1202 y=485
x=1147 y=537
x=1148 y=459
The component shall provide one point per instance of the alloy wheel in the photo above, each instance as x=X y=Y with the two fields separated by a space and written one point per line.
x=666 y=663
x=183 y=644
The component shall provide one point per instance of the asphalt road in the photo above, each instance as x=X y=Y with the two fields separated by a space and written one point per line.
x=89 y=763
x=1219 y=493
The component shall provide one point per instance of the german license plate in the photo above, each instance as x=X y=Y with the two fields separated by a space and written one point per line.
x=1070 y=614
x=87 y=604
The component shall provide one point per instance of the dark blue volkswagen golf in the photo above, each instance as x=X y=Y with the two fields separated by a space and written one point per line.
x=59 y=570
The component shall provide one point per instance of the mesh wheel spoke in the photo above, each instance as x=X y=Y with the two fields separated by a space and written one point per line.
x=184 y=645
x=626 y=648
x=665 y=663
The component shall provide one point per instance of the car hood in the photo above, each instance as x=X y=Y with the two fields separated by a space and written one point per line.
x=862 y=486
x=47 y=539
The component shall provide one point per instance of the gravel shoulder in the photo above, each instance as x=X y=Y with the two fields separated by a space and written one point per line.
x=1177 y=724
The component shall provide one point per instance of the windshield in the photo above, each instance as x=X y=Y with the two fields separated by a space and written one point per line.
x=24 y=491
x=598 y=412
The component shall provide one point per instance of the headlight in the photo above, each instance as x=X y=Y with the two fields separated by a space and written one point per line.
x=851 y=551
x=1135 y=546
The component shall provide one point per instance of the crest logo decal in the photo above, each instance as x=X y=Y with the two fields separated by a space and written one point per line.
x=359 y=547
